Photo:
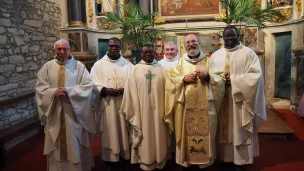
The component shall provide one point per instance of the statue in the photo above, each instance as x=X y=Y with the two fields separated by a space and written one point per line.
x=107 y=6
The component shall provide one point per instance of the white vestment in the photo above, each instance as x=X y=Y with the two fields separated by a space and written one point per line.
x=169 y=63
x=144 y=108
x=107 y=73
x=68 y=120
x=108 y=6
x=244 y=109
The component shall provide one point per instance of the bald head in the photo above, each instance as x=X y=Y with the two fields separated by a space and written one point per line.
x=192 y=44
x=191 y=36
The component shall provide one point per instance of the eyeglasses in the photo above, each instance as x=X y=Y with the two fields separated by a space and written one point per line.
x=64 y=49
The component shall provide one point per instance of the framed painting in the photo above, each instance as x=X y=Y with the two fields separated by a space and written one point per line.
x=188 y=9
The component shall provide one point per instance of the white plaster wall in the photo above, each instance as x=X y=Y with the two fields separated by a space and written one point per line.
x=64 y=14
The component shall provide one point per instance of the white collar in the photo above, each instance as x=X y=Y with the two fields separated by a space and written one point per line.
x=152 y=63
x=64 y=62
x=106 y=58
x=235 y=48
x=194 y=60
x=170 y=60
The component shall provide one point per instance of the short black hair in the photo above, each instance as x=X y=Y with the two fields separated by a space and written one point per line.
x=148 y=45
x=232 y=27
x=115 y=39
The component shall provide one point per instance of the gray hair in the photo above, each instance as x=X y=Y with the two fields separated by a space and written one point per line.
x=170 y=43
x=61 y=40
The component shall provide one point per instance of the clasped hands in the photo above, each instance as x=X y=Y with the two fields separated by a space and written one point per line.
x=115 y=92
x=192 y=78
x=61 y=92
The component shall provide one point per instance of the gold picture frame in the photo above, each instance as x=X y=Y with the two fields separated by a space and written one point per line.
x=189 y=9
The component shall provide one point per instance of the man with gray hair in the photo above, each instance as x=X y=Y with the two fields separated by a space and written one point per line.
x=194 y=90
x=63 y=95
x=171 y=57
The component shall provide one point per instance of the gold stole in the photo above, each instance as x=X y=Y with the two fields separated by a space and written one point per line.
x=224 y=113
x=61 y=141
x=197 y=122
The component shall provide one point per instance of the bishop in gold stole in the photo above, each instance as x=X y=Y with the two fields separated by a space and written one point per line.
x=191 y=110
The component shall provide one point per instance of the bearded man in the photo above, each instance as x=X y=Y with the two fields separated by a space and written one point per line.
x=194 y=91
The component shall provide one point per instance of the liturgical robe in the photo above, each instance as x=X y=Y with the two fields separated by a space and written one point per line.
x=114 y=136
x=169 y=63
x=144 y=108
x=243 y=109
x=191 y=110
x=68 y=121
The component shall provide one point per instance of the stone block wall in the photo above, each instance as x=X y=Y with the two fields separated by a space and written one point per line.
x=28 y=30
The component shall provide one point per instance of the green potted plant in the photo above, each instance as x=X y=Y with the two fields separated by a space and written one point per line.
x=137 y=28
x=245 y=13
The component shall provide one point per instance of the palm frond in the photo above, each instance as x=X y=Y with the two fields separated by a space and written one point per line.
x=248 y=13
x=134 y=25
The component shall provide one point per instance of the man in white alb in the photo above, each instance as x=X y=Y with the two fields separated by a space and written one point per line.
x=144 y=107
x=171 y=57
x=243 y=109
x=63 y=95
x=109 y=75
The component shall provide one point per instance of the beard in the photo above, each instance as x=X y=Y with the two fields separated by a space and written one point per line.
x=193 y=52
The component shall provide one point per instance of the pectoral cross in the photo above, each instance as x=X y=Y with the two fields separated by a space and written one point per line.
x=149 y=77
x=116 y=80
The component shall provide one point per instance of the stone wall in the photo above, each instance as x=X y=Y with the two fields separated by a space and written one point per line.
x=28 y=30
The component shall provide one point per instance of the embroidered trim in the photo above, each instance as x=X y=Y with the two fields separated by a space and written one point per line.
x=61 y=141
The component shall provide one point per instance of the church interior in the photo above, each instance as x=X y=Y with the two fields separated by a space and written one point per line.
x=29 y=28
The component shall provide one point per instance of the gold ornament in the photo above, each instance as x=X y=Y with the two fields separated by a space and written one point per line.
x=90 y=11
x=223 y=15
x=299 y=5
x=286 y=12
x=158 y=19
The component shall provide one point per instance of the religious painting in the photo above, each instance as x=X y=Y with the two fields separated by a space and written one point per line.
x=75 y=43
x=184 y=9
x=85 y=47
x=251 y=37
